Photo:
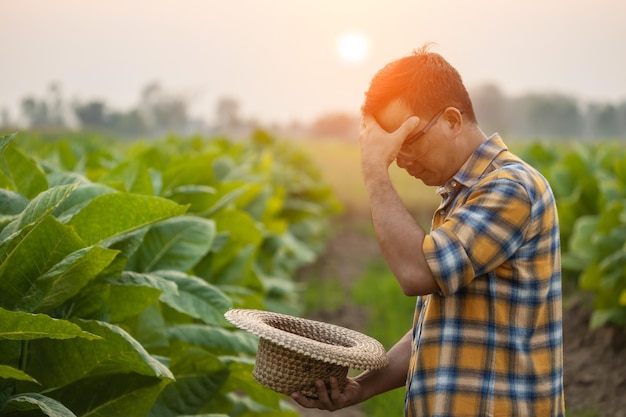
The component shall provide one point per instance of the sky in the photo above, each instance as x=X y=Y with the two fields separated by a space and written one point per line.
x=279 y=60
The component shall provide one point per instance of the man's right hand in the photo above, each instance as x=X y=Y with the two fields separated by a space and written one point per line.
x=332 y=399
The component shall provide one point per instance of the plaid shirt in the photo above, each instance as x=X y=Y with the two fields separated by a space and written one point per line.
x=490 y=342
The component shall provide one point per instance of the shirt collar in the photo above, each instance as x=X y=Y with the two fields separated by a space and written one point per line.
x=475 y=165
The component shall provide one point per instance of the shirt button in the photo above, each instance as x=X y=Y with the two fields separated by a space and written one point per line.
x=442 y=212
x=453 y=184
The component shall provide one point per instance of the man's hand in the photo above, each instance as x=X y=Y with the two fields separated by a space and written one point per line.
x=380 y=148
x=331 y=400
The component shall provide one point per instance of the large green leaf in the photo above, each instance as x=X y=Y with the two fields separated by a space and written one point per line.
x=29 y=254
x=133 y=292
x=11 y=203
x=9 y=372
x=241 y=379
x=190 y=394
x=133 y=175
x=226 y=194
x=128 y=301
x=175 y=244
x=110 y=217
x=150 y=280
x=42 y=205
x=5 y=140
x=25 y=404
x=214 y=338
x=199 y=197
x=21 y=173
x=196 y=297
x=68 y=277
x=17 y=325
x=127 y=394
x=57 y=363
x=81 y=197
x=242 y=231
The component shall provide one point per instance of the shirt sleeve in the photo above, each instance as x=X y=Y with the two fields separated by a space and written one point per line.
x=480 y=234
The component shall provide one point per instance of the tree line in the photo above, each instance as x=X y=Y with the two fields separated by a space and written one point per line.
x=547 y=115
x=159 y=112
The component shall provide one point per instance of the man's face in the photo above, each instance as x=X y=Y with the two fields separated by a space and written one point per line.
x=421 y=159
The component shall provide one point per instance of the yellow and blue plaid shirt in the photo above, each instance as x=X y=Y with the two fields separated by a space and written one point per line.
x=490 y=342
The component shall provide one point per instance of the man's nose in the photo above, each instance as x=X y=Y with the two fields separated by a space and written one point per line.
x=404 y=161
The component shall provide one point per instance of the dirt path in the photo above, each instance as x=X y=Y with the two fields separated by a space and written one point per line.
x=595 y=361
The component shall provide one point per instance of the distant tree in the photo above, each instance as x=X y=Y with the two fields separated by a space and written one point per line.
x=227 y=113
x=605 y=120
x=547 y=115
x=50 y=112
x=337 y=125
x=92 y=114
x=35 y=111
x=162 y=112
x=128 y=124
x=490 y=106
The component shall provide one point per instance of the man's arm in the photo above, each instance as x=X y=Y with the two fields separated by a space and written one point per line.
x=399 y=236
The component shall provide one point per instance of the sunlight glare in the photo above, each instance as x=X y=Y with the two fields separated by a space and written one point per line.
x=352 y=47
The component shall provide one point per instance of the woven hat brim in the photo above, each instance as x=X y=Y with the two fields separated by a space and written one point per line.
x=321 y=341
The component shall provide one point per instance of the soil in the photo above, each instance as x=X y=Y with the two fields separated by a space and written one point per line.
x=594 y=360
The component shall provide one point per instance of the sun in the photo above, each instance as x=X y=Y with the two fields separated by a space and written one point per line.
x=352 y=47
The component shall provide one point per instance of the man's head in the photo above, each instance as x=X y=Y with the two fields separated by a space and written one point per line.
x=427 y=86
x=424 y=82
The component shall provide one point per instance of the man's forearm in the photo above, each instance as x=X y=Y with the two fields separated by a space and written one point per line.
x=391 y=377
x=399 y=236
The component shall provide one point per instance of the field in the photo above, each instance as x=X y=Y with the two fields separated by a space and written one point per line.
x=340 y=164
x=136 y=250
x=339 y=289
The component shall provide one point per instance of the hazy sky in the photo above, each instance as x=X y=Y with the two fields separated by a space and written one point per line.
x=279 y=59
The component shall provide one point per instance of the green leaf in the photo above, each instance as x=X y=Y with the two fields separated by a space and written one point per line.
x=21 y=173
x=128 y=301
x=214 y=337
x=133 y=174
x=25 y=403
x=9 y=372
x=81 y=197
x=150 y=280
x=5 y=140
x=189 y=394
x=177 y=244
x=199 y=197
x=42 y=205
x=17 y=325
x=56 y=363
x=12 y=203
x=196 y=297
x=36 y=249
x=68 y=277
x=109 y=217
x=128 y=395
x=133 y=292
x=584 y=229
x=242 y=231
x=601 y=317
x=227 y=193
x=591 y=277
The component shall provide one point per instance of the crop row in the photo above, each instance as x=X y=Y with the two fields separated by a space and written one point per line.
x=589 y=183
x=117 y=262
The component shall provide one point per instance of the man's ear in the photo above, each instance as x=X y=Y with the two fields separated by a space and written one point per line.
x=454 y=118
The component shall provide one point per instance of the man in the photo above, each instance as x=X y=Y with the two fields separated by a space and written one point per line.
x=486 y=338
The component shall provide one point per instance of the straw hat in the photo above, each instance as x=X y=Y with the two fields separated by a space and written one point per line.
x=294 y=352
